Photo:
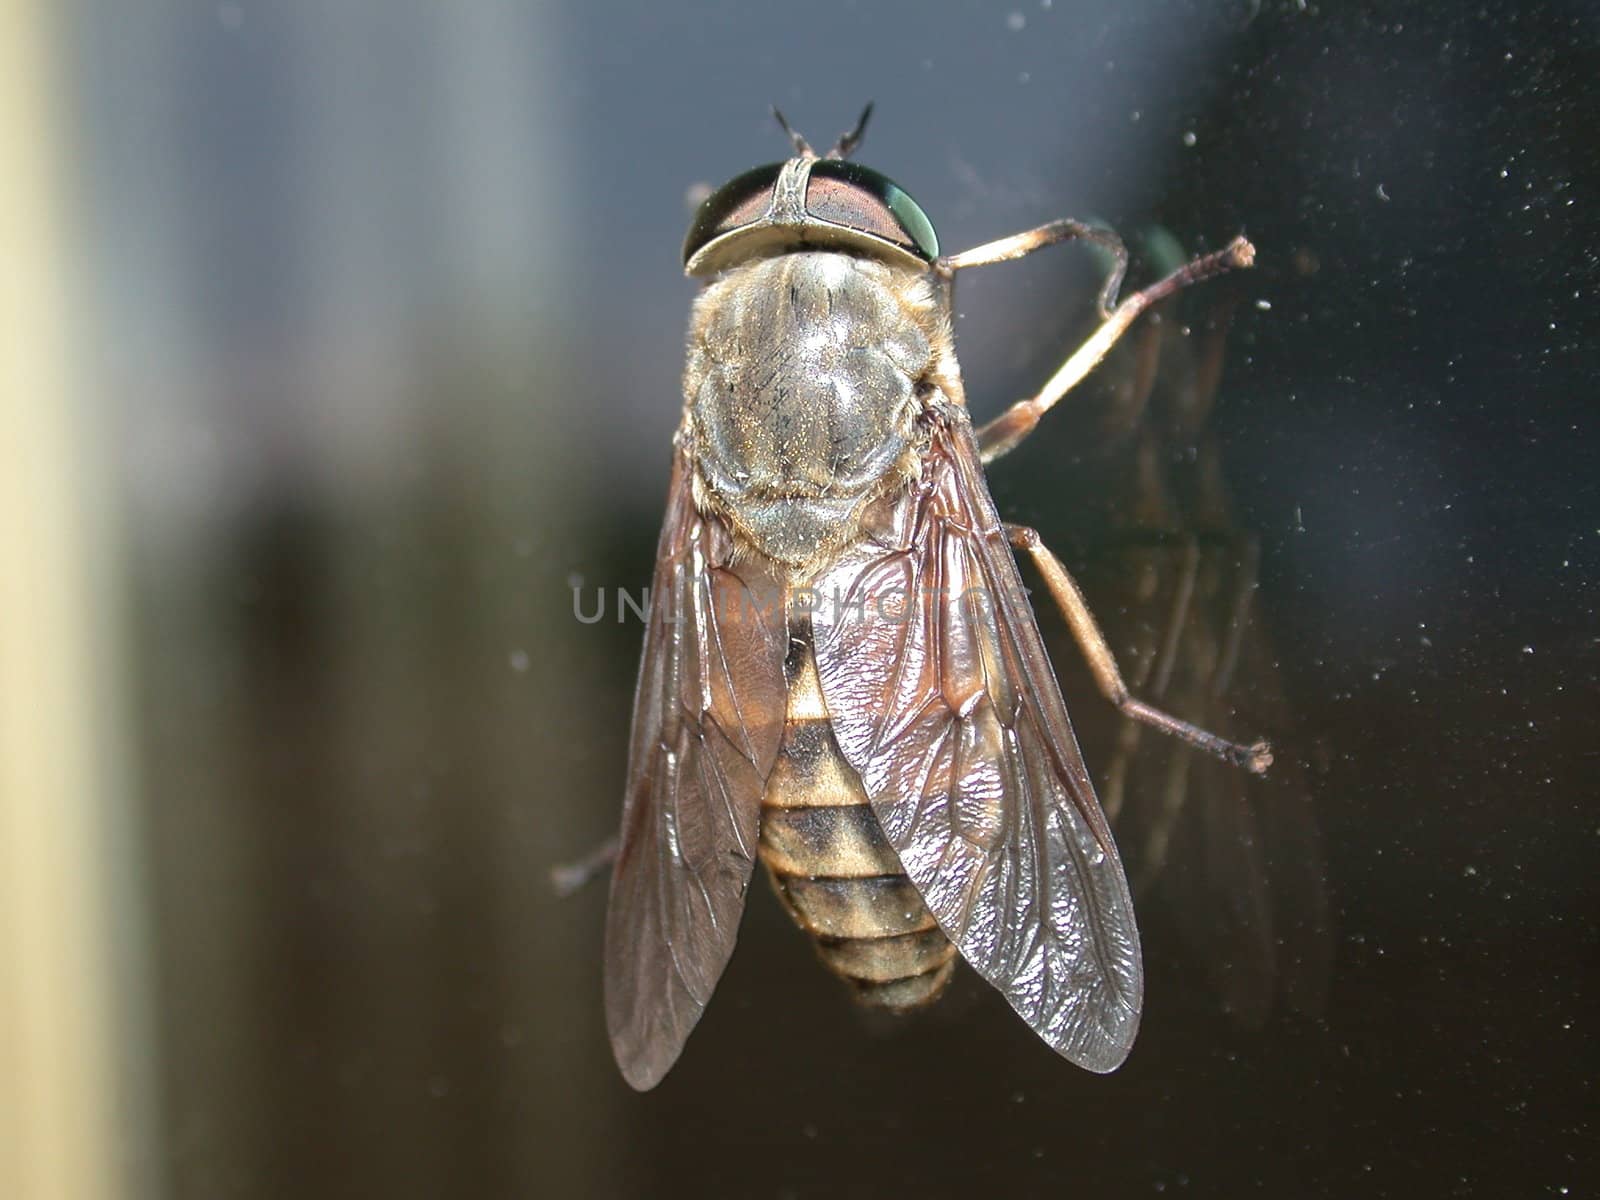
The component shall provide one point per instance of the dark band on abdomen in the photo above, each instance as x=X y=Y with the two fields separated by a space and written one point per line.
x=833 y=868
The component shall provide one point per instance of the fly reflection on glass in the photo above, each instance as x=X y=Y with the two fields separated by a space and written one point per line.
x=842 y=675
x=1233 y=863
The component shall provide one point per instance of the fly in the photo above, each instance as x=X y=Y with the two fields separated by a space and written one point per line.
x=842 y=676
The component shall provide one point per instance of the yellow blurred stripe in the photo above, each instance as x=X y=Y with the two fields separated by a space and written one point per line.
x=58 y=1115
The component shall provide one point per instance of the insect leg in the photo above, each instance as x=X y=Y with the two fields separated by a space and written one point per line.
x=1249 y=551
x=568 y=878
x=1158 y=841
x=1154 y=678
x=1257 y=756
x=1019 y=245
x=1018 y=421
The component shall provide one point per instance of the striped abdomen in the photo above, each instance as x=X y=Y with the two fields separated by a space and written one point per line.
x=834 y=869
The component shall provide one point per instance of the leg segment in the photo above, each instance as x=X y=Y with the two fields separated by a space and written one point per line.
x=1256 y=757
x=1020 y=245
x=568 y=878
x=1011 y=426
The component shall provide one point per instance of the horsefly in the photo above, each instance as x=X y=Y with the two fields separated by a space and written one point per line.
x=842 y=675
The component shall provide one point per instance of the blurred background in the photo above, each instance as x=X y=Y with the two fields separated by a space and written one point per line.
x=341 y=347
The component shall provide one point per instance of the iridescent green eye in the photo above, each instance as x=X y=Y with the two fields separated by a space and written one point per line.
x=857 y=197
x=740 y=201
x=808 y=204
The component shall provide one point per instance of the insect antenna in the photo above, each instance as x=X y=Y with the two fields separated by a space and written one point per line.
x=849 y=140
x=801 y=146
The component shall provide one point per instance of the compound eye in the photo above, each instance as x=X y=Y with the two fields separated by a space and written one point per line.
x=857 y=197
x=738 y=202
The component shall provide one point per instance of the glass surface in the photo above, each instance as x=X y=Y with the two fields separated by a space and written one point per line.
x=384 y=322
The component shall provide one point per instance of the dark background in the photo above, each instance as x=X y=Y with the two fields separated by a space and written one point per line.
x=387 y=328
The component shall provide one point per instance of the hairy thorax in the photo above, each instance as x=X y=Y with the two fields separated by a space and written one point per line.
x=806 y=373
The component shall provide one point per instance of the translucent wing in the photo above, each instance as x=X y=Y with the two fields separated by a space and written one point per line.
x=707 y=718
x=942 y=698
